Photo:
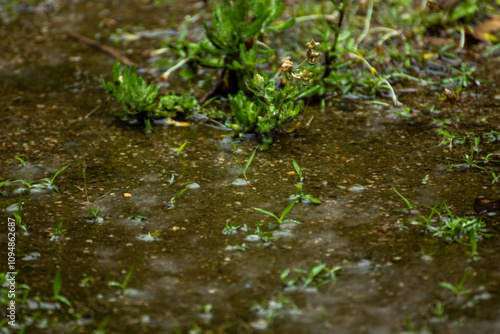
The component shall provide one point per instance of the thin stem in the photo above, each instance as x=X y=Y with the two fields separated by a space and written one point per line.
x=367 y=24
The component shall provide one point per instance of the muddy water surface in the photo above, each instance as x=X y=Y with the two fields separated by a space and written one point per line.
x=179 y=256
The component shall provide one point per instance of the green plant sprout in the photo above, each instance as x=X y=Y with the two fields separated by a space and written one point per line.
x=457 y=228
x=281 y=219
x=17 y=214
x=124 y=284
x=230 y=228
x=102 y=326
x=2 y=184
x=233 y=40
x=164 y=170
x=50 y=182
x=301 y=196
x=454 y=228
x=495 y=177
x=139 y=100
x=409 y=206
x=269 y=309
x=95 y=214
x=58 y=231
x=243 y=169
x=84 y=283
x=270 y=109
x=458 y=289
x=57 y=290
x=260 y=234
x=243 y=247
x=317 y=275
x=21 y=161
x=172 y=200
x=178 y=151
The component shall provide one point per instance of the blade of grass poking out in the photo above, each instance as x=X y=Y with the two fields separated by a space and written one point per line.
x=182 y=146
x=297 y=169
x=249 y=162
x=408 y=202
x=57 y=289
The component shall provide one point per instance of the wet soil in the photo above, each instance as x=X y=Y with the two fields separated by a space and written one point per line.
x=54 y=112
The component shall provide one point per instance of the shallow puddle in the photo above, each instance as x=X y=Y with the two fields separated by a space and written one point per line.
x=185 y=271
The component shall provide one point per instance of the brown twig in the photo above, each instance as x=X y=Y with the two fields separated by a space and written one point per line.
x=103 y=48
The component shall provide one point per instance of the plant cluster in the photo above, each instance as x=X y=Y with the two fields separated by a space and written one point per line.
x=140 y=101
x=316 y=275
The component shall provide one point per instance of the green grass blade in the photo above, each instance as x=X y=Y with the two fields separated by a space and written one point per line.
x=266 y=213
x=57 y=173
x=287 y=209
x=57 y=284
x=250 y=160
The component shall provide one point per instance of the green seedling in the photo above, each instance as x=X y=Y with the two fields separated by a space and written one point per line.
x=243 y=169
x=124 y=284
x=172 y=200
x=139 y=100
x=17 y=214
x=21 y=161
x=281 y=219
x=458 y=228
x=428 y=220
x=138 y=218
x=50 y=182
x=232 y=43
x=260 y=234
x=95 y=214
x=409 y=206
x=57 y=290
x=178 y=151
x=102 y=326
x=270 y=109
x=301 y=196
x=458 y=289
x=2 y=184
x=495 y=177
x=316 y=275
x=274 y=307
x=84 y=283
x=243 y=247
x=230 y=228
x=164 y=170
x=58 y=231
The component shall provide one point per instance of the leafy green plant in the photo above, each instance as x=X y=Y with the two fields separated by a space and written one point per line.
x=233 y=39
x=271 y=109
x=230 y=228
x=95 y=214
x=102 y=326
x=269 y=309
x=281 y=219
x=50 y=182
x=260 y=234
x=17 y=214
x=301 y=196
x=124 y=284
x=458 y=289
x=243 y=169
x=409 y=206
x=316 y=275
x=172 y=200
x=57 y=290
x=21 y=161
x=58 y=231
x=139 y=100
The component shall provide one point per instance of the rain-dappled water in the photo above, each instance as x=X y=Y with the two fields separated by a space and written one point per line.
x=183 y=274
